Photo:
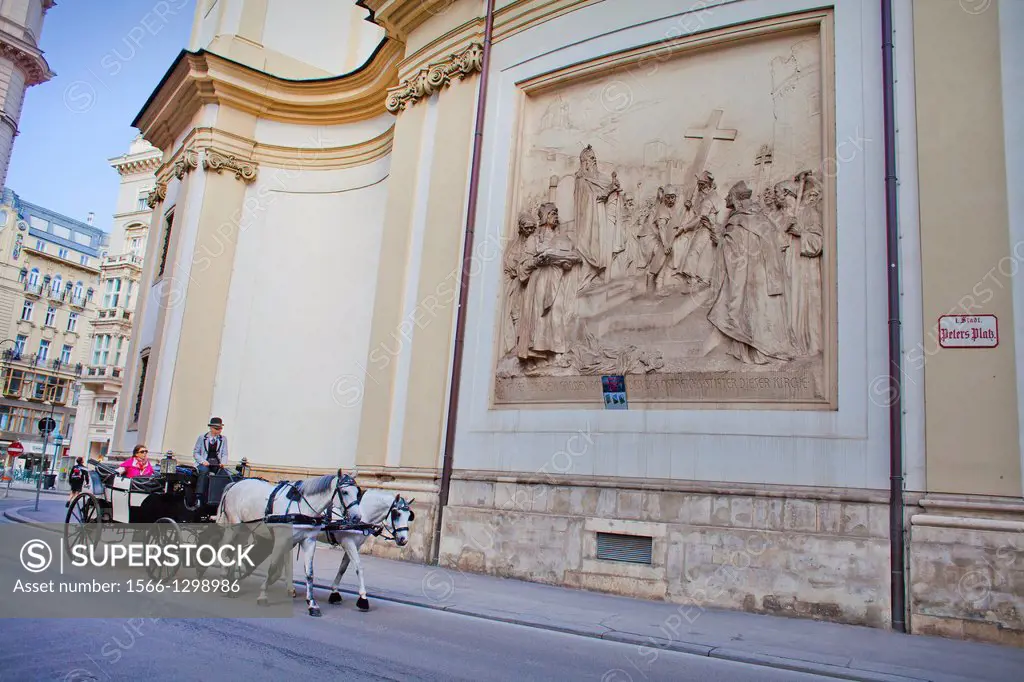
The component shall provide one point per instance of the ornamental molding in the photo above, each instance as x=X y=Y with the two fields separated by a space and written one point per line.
x=157 y=194
x=188 y=162
x=215 y=161
x=435 y=77
x=28 y=59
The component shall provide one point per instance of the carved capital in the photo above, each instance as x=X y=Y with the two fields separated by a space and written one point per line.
x=217 y=162
x=158 y=194
x=188 y=162
x=435 y=77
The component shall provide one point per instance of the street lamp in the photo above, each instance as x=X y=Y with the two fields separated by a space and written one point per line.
x=50 y=426
x=3 y=366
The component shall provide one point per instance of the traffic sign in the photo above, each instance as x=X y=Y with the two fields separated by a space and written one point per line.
x=47 y=425
x=58 y=439
x=15 y=449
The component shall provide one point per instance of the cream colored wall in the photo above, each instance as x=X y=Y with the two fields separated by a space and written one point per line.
x=377 y=386
x=296 y=39
x=433 y=325
x=971 y=397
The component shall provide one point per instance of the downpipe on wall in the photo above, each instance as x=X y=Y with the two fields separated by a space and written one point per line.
x=897 y=539
x=460 y=315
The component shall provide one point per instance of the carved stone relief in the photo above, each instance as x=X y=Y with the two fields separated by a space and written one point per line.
x=435 y=77
x=188 y=162
x=676 y=235
x=157 y=194
x=216 y=162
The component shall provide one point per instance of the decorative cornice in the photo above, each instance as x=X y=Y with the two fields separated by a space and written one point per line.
x=28 y=58
x=187 y=163
x=200 y=78
x=129 y=166
x=216 y=161
x=435 y=77
x=157 y=194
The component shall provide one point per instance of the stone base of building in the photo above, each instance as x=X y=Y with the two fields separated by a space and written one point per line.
x=815 y=553
x=966 y=560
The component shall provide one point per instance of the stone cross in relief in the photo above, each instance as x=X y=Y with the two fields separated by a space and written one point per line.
x=762 y=161
x=706 y=135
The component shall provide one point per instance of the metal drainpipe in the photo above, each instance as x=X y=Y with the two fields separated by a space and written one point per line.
x=897 y=541
x=467 y=260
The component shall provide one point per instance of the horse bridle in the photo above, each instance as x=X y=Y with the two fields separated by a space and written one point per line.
x=343 y=482
x=398 y=505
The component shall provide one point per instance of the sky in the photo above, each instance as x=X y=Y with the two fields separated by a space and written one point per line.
x=109 y=56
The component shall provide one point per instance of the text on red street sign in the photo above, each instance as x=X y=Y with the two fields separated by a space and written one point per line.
x=968 y=331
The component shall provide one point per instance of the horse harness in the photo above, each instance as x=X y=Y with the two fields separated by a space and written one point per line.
x=397 y=505
x=295 y=497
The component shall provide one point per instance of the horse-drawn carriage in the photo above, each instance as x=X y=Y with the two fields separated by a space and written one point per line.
x=173 y=511
x=168 y=503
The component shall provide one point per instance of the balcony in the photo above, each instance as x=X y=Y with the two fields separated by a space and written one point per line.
x=14 y=357
x=57 y=296
x=123 y=259
x=77 y=301
x=33 y=289
x=104 y=371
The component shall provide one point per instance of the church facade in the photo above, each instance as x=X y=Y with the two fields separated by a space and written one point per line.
x=684 y=301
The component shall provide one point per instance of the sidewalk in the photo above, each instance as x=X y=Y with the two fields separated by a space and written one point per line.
x=827 y=649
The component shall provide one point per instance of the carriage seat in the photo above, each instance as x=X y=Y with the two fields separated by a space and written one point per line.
x=96 y=480
x=146 y=484
x=106 y=474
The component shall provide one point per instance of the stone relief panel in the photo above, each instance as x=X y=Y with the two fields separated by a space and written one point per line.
x=671 y=225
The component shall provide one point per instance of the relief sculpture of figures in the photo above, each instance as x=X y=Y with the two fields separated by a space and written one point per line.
x=709 y=280
x=598 y=235
x=548 y=254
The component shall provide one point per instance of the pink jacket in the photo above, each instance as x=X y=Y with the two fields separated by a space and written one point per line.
x=131 y=468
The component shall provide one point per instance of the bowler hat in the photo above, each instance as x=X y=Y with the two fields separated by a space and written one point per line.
x=216 y=421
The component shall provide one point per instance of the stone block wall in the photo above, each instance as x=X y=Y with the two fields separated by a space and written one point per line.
x=967 y=570
x=813 y=553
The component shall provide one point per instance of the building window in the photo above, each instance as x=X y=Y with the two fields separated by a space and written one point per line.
x=51 y=316
x=166 y=245
x=26 y=311
x=55 y=286
x=40 y=245
x=136 y=246
x=72 y=321
x=100 y=350
x=62 y=253
x=19 y=344
x=33 y=277
x=128 y=295
x=65 y=355
x=44 y=350
x=143 y=366
x=84 y=260
x=142 y=202
x=117 y=353
x=113 y=293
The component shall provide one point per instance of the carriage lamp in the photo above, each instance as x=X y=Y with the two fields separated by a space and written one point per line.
x=169 y=465
x=242 y=466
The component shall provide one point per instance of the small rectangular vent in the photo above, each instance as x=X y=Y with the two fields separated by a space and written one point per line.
x=634 y=549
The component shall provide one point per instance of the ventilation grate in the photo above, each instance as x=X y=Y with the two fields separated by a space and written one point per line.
x=633 y=549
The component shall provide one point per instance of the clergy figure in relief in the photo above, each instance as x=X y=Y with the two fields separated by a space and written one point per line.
x=750 y=308
x=596 y=216
x=656 y=235
x=693 y=251
x=514 y=287
x=803 y=264
x=547 y=257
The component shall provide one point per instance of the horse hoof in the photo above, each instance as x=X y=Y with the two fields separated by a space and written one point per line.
x=314 y=611
x=292 y=593
x=363 y=604
x=335 y=598
x=262 y=601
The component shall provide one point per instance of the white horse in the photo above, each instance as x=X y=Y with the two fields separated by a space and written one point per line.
x=378 y=507
x=246 y=502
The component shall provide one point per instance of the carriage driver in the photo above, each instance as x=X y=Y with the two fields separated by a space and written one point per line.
x=210 y=452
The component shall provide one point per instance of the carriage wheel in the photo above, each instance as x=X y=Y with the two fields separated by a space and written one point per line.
x=164 y=532
x=83 y=524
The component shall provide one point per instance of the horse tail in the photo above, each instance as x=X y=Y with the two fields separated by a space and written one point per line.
x=222 y=508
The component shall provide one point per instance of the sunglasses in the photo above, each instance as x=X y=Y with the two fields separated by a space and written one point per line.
x=142 y=452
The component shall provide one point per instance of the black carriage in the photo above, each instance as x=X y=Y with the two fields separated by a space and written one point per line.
x=168 y=502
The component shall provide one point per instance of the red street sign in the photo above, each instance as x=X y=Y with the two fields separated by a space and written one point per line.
x=15 y=449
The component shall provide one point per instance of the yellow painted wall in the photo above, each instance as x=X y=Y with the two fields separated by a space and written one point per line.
x=970 y=394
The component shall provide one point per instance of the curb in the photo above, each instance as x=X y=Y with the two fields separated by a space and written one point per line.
x=686 y=648
x=13 y=515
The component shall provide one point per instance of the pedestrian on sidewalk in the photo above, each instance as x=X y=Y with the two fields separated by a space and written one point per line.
x=76 y=478
x=138 y=464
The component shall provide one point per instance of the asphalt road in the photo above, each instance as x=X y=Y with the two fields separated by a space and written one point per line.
x=391 y=642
